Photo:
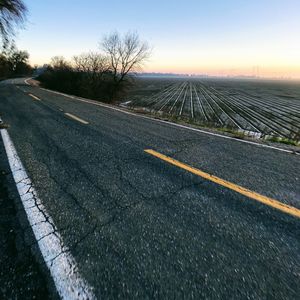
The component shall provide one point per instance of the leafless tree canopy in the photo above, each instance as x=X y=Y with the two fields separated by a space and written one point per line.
x=12 y=12
x=91 y=63
x=103 y=75
x=59 y=63
x=126 y=54
x=92 y=67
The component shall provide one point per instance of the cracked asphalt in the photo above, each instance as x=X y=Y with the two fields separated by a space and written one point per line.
x=21 y=277
x=140 y=228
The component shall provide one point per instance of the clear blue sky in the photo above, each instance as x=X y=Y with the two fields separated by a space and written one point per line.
x=215 y=36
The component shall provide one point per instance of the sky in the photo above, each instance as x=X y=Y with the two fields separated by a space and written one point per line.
x=214 y=37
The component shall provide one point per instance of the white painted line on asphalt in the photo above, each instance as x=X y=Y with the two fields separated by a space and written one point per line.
x=76 y=118
x=34 y=97
x=170 y=123
x=26 y=81
x=60 y=262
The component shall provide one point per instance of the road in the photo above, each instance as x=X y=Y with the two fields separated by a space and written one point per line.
x=142 y=228
x=20 y=274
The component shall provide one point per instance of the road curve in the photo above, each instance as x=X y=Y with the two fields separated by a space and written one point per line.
x=140 y=228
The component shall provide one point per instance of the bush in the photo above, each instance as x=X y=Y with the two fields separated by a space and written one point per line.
x=89 y=78
x=68 y=80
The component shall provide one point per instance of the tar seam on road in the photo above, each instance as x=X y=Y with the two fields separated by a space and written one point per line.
x=61 y=264
x=169 y=123
x=76 y=118
x=34 y=97
x=241 y=190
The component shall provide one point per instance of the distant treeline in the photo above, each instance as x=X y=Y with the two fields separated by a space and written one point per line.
x=14 y=63
x=105 y=75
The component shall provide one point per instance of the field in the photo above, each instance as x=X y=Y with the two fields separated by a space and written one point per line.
x=253 y=107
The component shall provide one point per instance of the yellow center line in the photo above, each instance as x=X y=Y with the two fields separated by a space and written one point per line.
x=76 y=118
x=253 y=195
x=34 y=97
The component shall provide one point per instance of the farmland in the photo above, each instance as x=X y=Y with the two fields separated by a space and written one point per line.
x=255 y=108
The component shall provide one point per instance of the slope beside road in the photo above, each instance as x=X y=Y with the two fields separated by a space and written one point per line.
x=139 y=227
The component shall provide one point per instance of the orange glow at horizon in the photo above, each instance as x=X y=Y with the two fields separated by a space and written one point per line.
x=214 y=64
x=211 y=69
x=292 y=72
x=259 y=59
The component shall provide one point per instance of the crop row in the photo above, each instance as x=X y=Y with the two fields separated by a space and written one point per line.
x=235 y=109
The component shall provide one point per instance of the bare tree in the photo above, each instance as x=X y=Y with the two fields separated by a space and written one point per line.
x=126 y=53
x=92 y=63
x=93 y=68
x=12 y=12
x=59 y=63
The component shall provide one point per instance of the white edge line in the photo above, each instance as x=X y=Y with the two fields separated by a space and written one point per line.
x=169 y=123
x=60 y=262
x=26 y=81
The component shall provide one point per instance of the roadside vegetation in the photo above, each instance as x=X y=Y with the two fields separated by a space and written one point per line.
x=13 y=62
x=105 y=75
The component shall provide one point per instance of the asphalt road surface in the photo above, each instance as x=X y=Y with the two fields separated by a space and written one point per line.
x=141 y=228
x=20 y=274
